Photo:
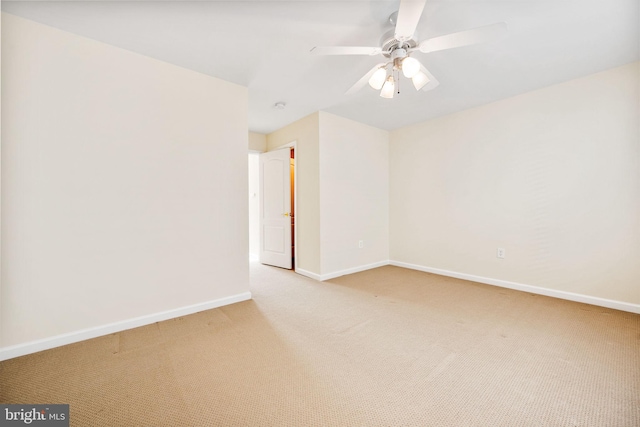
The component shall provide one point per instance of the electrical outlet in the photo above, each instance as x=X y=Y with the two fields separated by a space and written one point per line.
x=501 y=252
x=360 y=244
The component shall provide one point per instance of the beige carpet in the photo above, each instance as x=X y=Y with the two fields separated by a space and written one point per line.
x=386 y=347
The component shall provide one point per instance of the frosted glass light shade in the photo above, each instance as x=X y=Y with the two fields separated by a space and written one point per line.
x=377 y=79
x=410 y=67
x=419 y=80
x=388 y=88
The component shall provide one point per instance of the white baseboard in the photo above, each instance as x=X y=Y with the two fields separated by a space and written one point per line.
x=323 y=277
x=85 y=334
x=358 y=269
x=602 y=302
x=308 y=274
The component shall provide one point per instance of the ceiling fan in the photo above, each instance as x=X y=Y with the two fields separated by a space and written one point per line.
x=398 y=44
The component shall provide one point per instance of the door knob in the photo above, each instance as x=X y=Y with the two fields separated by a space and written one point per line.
x=285 y=214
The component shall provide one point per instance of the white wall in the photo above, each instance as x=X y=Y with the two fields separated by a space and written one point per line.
x=306 y=134
x=124 y=185
x=0 y=186
x=254 y=206
x=354 y=194
x=257 y=142
x=343 y=193
x=552 y=176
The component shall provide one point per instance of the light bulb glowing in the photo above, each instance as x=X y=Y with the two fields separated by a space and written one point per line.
x=378 y=78
x=419 y=80
x=388 y=88
x=410 y=67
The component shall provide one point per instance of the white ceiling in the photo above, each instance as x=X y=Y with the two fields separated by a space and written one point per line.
x=265 y=45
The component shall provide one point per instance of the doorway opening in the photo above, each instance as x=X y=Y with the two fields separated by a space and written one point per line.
x=276 y=238
x=292 y=172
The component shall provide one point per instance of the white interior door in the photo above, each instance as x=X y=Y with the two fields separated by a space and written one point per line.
x=275 y=208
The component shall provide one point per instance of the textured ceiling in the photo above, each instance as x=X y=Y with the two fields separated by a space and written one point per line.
x=265 y=45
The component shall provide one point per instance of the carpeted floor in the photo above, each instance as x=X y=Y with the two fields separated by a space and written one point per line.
x=386 y=347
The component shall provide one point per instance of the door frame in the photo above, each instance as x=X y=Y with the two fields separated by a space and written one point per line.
x=294 y=144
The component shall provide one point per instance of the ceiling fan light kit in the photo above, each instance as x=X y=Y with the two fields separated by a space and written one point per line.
x=410 y=67
x=401 y=61
x=399 y=43
x=420 y=80
x=378 y=78
x=388 y=88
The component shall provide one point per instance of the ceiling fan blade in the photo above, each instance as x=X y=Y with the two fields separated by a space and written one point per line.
x=433 y=82
x=345 y=50
x=408 y=17
x=363 y=80
x=464 y=38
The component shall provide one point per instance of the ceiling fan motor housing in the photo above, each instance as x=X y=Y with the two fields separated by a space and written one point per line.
x=397 y=55
x=389 y=44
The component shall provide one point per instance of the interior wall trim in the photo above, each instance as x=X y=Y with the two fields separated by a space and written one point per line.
x=307 y=274
x=587 y=299
x=358 y=269
x=72 y=337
